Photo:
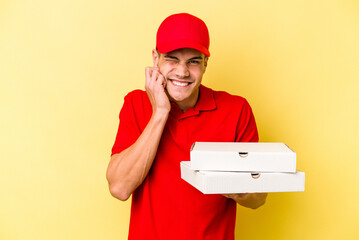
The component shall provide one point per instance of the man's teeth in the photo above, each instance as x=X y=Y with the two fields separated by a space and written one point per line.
x=181 y=84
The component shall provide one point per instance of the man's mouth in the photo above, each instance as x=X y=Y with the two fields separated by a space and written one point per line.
x=179 y=83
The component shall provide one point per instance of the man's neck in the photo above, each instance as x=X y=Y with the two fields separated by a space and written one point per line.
x=184 y=105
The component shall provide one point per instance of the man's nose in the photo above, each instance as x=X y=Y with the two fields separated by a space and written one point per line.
x=182 y=70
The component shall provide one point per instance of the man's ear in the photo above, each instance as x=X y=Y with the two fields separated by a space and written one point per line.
x=155 y=57
x=205 y=62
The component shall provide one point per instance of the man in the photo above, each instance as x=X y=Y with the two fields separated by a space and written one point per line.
x=157 y=128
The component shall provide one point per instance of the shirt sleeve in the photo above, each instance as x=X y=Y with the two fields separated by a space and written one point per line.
x=246 y=127
x=128 y=129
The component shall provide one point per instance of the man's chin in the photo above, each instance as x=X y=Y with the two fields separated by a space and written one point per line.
x=175 y=99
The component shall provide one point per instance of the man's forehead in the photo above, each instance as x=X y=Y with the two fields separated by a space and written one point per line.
x=185 y=52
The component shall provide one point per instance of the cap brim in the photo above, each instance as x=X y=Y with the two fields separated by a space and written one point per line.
x=178 y=44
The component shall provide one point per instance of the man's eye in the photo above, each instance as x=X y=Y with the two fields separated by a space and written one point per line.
x=171 y=60
x=194 y=62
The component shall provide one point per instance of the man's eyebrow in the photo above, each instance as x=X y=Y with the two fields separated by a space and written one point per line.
x=195 y=58
x=191 y=59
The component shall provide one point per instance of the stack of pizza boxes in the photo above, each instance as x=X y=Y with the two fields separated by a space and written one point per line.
x=232 y=167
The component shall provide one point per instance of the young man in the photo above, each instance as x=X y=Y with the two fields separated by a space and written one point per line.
x=156 y=131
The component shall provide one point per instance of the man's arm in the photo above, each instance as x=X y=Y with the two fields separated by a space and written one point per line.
x=128 y=169
x=249 y=200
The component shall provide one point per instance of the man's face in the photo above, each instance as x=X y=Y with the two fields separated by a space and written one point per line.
x=183 y=70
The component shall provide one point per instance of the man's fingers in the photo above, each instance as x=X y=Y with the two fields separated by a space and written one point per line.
x=150 y=71
x=162 y=80
x=155 y=75
x=234 y=196
x=242 y=195
x=154 y=79
x=151 y=76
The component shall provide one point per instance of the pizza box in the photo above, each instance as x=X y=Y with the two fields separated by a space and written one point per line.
x=218 y=182
x=243 y=156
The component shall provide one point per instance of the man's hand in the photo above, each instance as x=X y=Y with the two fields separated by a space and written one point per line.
x=155 y=88
x=128 y=169
x=250 y=200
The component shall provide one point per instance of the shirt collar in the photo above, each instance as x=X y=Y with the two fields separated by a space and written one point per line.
x=206 y=99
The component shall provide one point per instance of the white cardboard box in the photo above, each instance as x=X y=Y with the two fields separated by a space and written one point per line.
x=239 y=156
x=213 y=182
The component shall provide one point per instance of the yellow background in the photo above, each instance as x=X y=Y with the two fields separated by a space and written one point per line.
x=66 y=65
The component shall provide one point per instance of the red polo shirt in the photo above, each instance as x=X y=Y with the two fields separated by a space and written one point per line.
x=165 y=206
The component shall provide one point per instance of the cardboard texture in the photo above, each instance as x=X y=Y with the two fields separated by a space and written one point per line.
x=213 y=182
x=238 y=156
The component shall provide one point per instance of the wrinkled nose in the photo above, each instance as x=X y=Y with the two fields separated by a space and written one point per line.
x=182 y=70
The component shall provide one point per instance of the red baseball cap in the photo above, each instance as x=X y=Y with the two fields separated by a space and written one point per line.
x=182 y=30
